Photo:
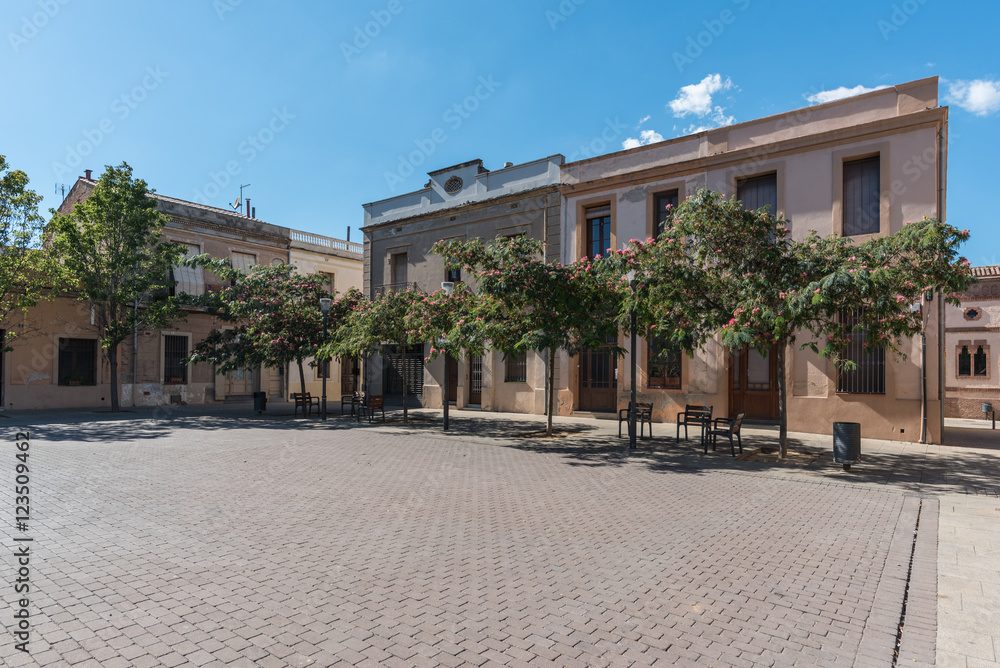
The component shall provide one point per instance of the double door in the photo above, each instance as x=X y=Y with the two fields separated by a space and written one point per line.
x=753 y=383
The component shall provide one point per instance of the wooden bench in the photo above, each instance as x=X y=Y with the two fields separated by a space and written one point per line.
x=352 y=400
x=644 y=416
x=374 y=403
x=305 y=401
x=700 y=416
x=732 y=428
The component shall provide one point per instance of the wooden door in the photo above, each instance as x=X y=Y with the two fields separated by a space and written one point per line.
x=239 y=382
x=476 y=379
x=452 y=371
x=753 y=384
x=598 y=381
x=350 y=371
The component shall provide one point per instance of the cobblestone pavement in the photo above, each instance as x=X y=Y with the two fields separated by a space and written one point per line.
x=213 y=541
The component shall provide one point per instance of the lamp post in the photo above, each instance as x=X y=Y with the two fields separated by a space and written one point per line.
x=447 y=286
x=631 y=357
x=324 y=306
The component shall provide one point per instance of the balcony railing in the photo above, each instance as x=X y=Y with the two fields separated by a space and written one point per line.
x=391 y=287
x=337 y=244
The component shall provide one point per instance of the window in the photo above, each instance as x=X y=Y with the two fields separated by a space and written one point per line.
x=453 y=275
x=322 y=369
x=331 y=282
x=399 y=269
x=175 y=351
x=598 y=230
x=664 y=364
x=663 y=205
x=759 y=192
x=979 y=362
x=187 y=279
x=77 y=362
x=964 y=362
x=243 y=261
x=862 y=205
x=516 y=368
x=868 y=375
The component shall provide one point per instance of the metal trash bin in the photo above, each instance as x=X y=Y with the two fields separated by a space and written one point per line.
x=259 y=402
x=847 y=443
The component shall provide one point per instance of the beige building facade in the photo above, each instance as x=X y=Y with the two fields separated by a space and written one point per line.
x=859 y=167
x=462 y=202
x=972 y=344
x=56 y=361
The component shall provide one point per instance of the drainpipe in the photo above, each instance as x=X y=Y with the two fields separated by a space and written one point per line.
x=923 y=379
x=545 y=251
x=942 y=176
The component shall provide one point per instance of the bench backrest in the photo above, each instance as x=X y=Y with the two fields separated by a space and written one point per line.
x=738 y=423
x=376 y=401
x=694 y=410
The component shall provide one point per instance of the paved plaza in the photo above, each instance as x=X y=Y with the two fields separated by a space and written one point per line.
x=175 y=539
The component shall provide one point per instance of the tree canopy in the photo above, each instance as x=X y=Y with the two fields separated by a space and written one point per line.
x=25 y=269
x=115 y=258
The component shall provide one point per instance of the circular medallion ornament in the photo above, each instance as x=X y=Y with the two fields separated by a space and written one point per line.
x=453 y=185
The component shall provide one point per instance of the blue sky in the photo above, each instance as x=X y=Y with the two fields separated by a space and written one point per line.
x=324 y=106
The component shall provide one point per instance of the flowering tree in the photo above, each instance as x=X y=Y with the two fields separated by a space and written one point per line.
x=377 y=325
x=721 y=268
x=275 y=315
x=525 y=304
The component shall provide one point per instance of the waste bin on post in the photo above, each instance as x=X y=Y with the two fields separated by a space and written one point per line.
x=846 y=443
x=259 y=402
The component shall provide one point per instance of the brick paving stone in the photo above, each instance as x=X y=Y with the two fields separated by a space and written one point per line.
x=212 y=540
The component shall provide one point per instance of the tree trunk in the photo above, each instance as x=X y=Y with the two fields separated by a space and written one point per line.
x=302 y=377
x=113 y=360
x=782 y=402
x=550 y=383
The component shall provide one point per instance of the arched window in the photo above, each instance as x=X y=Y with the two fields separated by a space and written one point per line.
x=979 y=363
x=964 y=362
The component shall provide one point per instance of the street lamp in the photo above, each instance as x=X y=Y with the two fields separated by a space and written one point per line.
x=447 y=286
x=631 y=357
x=324 y=306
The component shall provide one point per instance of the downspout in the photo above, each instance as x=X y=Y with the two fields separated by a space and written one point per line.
x=942 y=176
x=545 y=255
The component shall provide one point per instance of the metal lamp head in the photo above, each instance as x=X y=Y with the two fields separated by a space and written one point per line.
x=447 y=286
x=324 y=304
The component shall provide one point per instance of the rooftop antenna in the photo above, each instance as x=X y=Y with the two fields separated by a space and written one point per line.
x=240 y=200
x=61 y=187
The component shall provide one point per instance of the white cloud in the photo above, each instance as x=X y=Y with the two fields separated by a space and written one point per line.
x=646 y=137
x=697 y=98
x=980 y=96
x=839 y=93
x=645 y=119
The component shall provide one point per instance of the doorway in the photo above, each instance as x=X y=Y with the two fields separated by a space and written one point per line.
x=753 y=383
x=598 y=381
x=350 y=371
x=240 y=382
x=476 y=379
x=452 y=371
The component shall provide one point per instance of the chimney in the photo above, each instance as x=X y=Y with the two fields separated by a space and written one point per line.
x=87 y=173
x=348 y=234
x=253 y=213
